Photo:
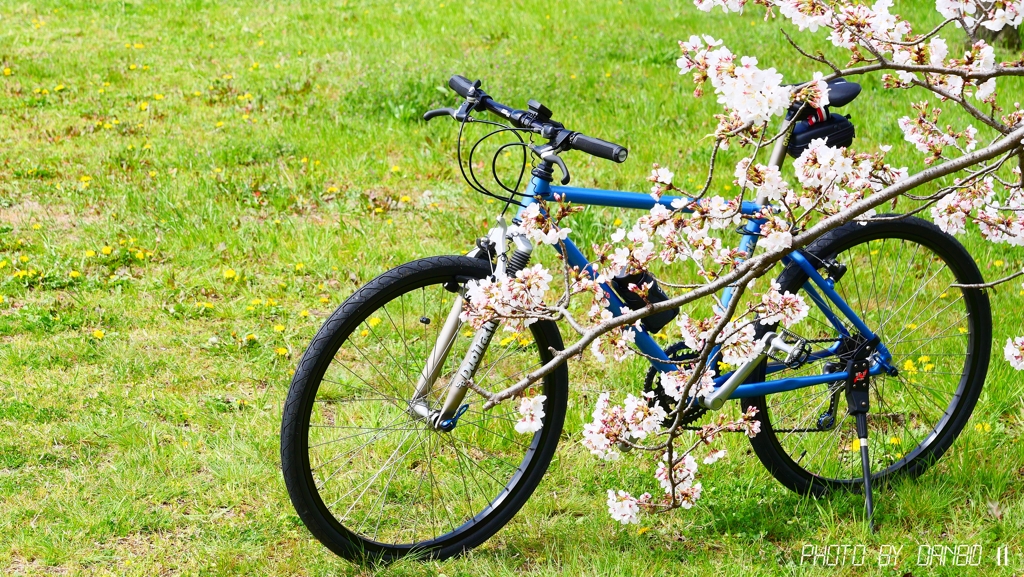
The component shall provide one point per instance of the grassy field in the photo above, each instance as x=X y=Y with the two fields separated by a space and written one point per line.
x=188 y=189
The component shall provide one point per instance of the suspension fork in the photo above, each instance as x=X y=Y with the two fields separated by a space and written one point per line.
x=445 y=418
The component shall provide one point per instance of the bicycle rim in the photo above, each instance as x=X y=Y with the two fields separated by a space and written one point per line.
x=387 y=481
x=899 y=281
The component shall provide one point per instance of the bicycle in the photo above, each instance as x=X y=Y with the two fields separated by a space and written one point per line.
x=386 y=452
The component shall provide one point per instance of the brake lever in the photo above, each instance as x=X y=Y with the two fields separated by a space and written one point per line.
x=432 y=114
x=547 y=153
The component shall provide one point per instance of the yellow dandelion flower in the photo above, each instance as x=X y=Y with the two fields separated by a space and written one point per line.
x=374 y=321
x=74 y=274
x=107 y=250
x=303 y=313
x=143 y=105
x=911 y=326
x=874 y=252
x=395 y=168
x=229 y=273
x=37 y=226
x=332 y=189
x=132 y=66
x=618 y=222
x=197 y=93
x=855 y=445
x=7 y=72
x=895 y=441
x=909 y=366
x=158 y=96
x=139 y=45
x=962 y=330
x=90 y=253
x=250 y=337
x=279 y=328
x=324 y=300
x=3 y=263
x=98 y=334
x=364 y=332
x=405 y=198
x=219 y=124
x=281 y=351
x=998 y=263
x=923 y=359
x=299 y=266
x=23 y=258
x=943 y=295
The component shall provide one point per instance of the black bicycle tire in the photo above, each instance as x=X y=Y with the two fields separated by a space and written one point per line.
x=311 y=369
x=766 y=445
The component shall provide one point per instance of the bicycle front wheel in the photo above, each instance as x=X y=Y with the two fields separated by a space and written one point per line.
x=371 y=479
x=900 y=280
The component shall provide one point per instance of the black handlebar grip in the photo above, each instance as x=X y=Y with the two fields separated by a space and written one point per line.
x=461 y=85
x=599 y=148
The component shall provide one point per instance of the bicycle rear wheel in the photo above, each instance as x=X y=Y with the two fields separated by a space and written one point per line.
x=899 y=280
x=374 y=482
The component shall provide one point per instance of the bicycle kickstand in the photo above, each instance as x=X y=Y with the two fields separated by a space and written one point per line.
x=857 y=401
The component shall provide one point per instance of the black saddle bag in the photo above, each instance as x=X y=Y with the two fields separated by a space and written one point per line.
x=837 y=130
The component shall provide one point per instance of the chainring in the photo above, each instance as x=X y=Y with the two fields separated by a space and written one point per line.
x=676 y=352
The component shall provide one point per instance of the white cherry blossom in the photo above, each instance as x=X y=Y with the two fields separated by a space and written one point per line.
x=531 y=411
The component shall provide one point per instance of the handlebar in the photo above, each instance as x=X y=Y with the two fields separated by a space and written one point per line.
x=536 y=120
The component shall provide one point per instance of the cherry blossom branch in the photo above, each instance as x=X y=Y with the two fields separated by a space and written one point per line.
x=967 y=106
x=992 y=284
x=819 y=58
x=1011 y=142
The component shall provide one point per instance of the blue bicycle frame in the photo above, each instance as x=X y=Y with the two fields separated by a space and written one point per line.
x=821 y=291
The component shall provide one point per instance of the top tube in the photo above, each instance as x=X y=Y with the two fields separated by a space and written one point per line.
x=614 y=198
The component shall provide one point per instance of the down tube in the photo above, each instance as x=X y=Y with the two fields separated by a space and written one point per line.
x=643 y=339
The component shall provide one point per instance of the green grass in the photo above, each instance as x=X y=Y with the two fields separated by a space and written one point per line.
x=193 y=137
